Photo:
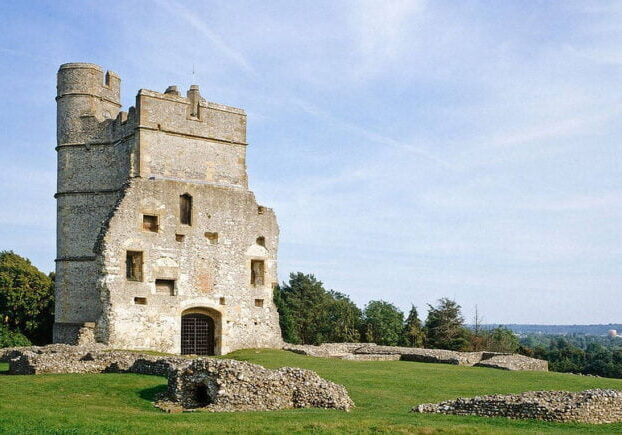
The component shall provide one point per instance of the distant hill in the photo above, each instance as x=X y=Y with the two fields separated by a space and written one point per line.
x=559 y=329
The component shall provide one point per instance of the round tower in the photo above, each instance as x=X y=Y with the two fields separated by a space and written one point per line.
x=88 y=101
x=85 y=96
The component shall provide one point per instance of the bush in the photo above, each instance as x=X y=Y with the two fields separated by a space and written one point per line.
x=10 y=338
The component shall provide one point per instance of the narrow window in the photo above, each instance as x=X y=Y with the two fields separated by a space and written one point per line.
x=165 y=286
x=212 y=237
x=134 y=265
x=257 y=272
x=261 y=241
x=140 y=301
x=150 y=223
x=259 y=303
x=185 y=209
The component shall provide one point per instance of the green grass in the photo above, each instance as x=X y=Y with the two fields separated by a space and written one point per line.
x=384 y=392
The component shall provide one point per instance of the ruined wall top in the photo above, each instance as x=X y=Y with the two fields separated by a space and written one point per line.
x=189 y=115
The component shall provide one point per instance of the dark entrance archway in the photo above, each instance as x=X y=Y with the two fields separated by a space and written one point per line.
x=197 y=334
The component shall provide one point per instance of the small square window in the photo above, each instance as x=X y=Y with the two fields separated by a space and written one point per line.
x=179 y=237
x=261 y=241
x=140 y=301
x=259 y=303
x=222 y=301
x=150 y=223
x=212 y=237
x=134 y=266
x=165 y=286
x=257 y=272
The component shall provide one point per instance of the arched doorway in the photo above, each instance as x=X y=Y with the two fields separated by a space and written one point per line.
x=197 y=334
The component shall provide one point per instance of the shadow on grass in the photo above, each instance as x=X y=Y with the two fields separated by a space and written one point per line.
x=152 y=393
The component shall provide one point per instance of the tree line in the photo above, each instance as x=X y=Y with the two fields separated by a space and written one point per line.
x=310 y=314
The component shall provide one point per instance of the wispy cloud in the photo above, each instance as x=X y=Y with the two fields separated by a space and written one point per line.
x=203 y=29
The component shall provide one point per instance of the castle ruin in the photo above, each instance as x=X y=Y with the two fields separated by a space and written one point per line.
x=160 y=243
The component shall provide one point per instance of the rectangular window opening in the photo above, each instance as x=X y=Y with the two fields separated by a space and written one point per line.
x=259 y=303
x=222 y=301
x=212 y=237
x=150 y=223
x=140 y=301
x=165 y=286
x=134 y=265
x=185 y=209
x=257 y=272
x=179 y=237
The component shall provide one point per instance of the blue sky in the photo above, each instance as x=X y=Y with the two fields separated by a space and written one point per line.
x=411 y=149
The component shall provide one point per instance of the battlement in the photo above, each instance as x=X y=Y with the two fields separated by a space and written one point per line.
x=88 y=79
x=165 y=135
x=191 y=115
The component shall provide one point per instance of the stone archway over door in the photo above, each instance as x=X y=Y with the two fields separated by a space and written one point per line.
x=197 y=334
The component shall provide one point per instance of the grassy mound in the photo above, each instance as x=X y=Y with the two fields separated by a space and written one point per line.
x=384 y=392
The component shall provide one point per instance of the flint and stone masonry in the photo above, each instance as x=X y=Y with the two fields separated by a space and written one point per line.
x=160 y=243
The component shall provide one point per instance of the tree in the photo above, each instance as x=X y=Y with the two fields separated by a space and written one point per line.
x=26 y=298
x=343 y=318
x=307 y=301
x=413 y=334
x=383 y=323
x=286 y=320
x=501 y=339
x=444 y=326
x=310 y=314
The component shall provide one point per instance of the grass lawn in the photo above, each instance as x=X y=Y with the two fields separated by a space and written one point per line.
x=383 y=392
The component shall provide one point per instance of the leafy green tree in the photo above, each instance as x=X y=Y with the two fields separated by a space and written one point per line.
x=307 y=301
x=344 y=319
x=501 y=339
x=312 y=315
x=444 y=326
x=10 y=338
x=413 y=334
x=286 y=320
x=383 y=323
x=26 y=298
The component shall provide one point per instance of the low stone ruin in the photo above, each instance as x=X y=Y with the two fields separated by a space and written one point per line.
x=229 y=385
x=591 y=406
x=206 y=383
x=373 y=352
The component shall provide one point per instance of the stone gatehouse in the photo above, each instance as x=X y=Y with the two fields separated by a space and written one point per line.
x=160 y=243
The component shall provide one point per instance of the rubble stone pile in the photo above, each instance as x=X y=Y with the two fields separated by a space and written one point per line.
x=373 y=352
x=226 y=385
x=590 y=406
x=208 y=383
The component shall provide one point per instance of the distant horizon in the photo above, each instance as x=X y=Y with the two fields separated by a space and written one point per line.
x=412 y=150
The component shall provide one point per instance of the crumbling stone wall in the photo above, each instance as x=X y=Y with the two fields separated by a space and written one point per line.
x=373 y=352
x=590 y=406
x=225 y=385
